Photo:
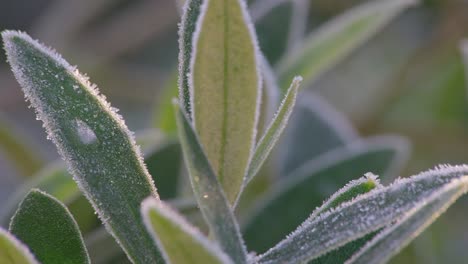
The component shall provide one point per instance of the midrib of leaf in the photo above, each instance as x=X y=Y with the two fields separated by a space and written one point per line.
x=225 y=95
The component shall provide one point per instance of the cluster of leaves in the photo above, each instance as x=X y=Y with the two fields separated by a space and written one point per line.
x=227 y=93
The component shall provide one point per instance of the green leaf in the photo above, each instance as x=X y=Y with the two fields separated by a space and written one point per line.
x=26 y=160
x=273 y=132
x=366 y=214
x=394 y=238
x=291 y=200
x=162 y=158
x=314 y=128
x=13 y=251
x=102 y=247
x=338 y=38
x=190 y=14
x=93 y=140
x=208 y=192
x=48 y=228
x=225 y=85
x=348 y=193
x=179 y=241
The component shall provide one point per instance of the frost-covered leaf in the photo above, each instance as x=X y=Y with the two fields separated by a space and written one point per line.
x=315 y=127
x=273 y=131
x=13 y=251
x=367 y=213
x=56 y=181
x=225 y=89
x=394 y=238
x=178 y=240
x=91 y=137
x=348 y=192
x=26 y=160
x=48 y=228
x=208 y=192
x=190 y=14
x=162 y=158
x=345 y=194
x=103 y=248
x=291 y=200
x=337 y=38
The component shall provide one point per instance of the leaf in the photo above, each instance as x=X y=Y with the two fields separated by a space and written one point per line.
x=367 y=213
x=338 y=38
x=225 y=85
x=291 y=200
x=102 y=247
x=12 y=251
x=179 y=241
x=93 y=140
x=190 y=14
x=347 y=193
x=394 y=238
x=48 y=228
x=315 y=128
x=208 y=192
x=26 y=160
x=273 y=132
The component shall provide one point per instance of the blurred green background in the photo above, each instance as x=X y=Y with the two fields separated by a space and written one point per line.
x=408 y=79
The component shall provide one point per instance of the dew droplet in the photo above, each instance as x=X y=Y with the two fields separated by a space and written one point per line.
x=85 y=133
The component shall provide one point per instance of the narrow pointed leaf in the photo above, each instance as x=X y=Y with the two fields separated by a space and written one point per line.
x=314 y=128
x=179 y=241
x=392 y=239
x=190 y=14
x=91 y=137
x=290 y=202
x=366 y=214
x=209 y=194
x=274 y=130
x=48 y=228
x=348 y=193
x=13 y=251
x=338 y=38
x=225 y=84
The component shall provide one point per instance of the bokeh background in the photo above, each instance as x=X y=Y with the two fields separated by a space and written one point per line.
x=408 y=79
